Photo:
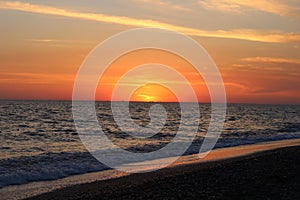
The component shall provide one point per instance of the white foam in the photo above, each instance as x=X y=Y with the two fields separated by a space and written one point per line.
x=36 y=188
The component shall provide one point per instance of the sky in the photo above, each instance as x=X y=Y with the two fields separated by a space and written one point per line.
x=254 y=43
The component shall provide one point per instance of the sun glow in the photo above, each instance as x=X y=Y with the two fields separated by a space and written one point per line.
x=153 y=92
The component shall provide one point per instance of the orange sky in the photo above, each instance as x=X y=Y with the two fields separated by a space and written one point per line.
x=254 y=44
x=136 y=58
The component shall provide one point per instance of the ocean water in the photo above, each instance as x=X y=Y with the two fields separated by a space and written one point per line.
x=39 y=140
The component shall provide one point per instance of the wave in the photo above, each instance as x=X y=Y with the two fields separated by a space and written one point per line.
x=52 y=166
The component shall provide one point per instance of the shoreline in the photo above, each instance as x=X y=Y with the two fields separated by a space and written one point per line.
x=220 y=156
x=272 y=174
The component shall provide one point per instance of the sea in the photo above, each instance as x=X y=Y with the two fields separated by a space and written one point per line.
x=39 y=141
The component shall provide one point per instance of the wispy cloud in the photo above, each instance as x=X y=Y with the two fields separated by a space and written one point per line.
x=43 y=40
x=271 y=60
x=34 y=78
x=57 y=43
x=220 y=5
x=236 y=6
x=243 y=34
x=164 y=4
x=275 y=67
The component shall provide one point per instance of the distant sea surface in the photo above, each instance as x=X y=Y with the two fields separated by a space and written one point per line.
x=39 y=140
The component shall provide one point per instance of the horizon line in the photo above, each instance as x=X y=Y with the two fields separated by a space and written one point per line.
x=107 y=101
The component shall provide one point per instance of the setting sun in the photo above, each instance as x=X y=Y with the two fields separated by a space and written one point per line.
x=153 y=93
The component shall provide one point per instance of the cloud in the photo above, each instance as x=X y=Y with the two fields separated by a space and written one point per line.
x=236 y=6
x=268 y=65
x=43 y=40
x=271 y=60
x=242 y=34
x=59 y=43
x=34 y=78
x=220 y=5
x=165 y=4
x=279 y=85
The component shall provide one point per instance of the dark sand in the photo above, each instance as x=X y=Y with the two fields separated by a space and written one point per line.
x=273 y=174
